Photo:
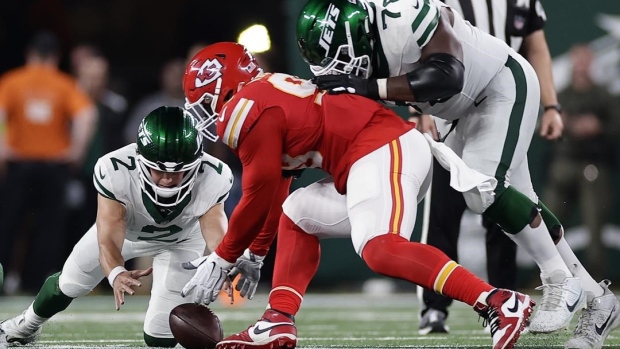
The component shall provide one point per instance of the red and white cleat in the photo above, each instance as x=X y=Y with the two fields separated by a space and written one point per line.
x=507 y=313
x=273 y=330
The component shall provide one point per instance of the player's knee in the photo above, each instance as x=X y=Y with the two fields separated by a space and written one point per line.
x=71 y=288
x=152 y=341
x=293 y=208
x=375 y=251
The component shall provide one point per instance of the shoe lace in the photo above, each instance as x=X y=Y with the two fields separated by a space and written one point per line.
x=552 y=295
x=490 y=318
x=585 y=326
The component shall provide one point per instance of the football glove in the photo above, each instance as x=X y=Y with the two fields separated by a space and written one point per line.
x=212 y=272
x=337 y=84
x=248 y=265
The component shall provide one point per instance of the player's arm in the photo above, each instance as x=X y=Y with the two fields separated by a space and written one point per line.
x=110 y=236
x=439 y=73
x=262 y=183
x=536 y=51
x=213 y=225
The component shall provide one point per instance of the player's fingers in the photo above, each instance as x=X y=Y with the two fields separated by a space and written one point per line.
x=140 y=273
x=187 y=288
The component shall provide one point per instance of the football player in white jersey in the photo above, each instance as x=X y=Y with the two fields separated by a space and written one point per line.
x=422 y=53
x=161 y=197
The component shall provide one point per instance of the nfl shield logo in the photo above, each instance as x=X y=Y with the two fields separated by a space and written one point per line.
x=519 y=22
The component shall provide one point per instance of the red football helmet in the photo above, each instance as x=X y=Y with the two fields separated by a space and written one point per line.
x=212 y=77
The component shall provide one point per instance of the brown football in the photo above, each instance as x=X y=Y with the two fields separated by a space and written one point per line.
x=195 y=326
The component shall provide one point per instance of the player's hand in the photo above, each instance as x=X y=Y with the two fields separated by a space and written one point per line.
x=212 y=271
x=551 y=126
x=337 y=84
x=124 y=283
x=425 y=123
x=248 y=265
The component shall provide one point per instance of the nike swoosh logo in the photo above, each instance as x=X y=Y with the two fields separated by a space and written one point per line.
x=259 y=330
x=477 y=103
x=515 y=307
x=101 y=175
x=600 y=330
x=417 y=4
x=571 y=307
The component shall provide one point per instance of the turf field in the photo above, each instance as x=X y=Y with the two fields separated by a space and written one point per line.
x=325 y=321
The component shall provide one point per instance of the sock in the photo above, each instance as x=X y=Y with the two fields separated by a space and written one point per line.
x=587 y=282
x=394 y=256
x=538 y=244
x=50 y=299
x=296 y=263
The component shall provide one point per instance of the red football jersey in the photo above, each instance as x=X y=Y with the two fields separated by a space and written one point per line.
x=280 y=122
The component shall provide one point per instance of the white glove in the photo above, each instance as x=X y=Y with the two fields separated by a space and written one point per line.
x=209 y=278
x=248 y=265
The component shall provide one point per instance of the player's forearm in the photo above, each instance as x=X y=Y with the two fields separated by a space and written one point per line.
x=262 y=242
x=110 y=238
x=213 y=225
x=537 y=53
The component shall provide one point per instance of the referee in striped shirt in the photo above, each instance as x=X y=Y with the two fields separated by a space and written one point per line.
x=520 y=24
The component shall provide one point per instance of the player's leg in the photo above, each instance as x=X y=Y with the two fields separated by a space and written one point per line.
x=447 y=208
x=501 y=257
x=80 y=274
x=310 y=213
x=168 y=280
x=383 y=190
x=498 y=135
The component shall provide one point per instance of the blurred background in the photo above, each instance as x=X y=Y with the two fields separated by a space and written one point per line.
x=129 y=56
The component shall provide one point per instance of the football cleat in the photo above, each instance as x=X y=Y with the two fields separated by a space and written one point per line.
x=600 y=317
x=3 y=343
x=506 y=313
x=562 y=297
x=16 y=331
x=433 y=321
x=273 y=330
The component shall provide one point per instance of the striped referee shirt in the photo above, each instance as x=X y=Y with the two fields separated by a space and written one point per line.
x=508 y=20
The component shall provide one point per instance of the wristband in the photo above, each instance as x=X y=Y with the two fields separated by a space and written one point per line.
x=557 y=107
x=114 y=273
x=382 y=87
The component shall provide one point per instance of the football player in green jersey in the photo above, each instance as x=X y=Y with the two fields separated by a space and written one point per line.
x=161 y=197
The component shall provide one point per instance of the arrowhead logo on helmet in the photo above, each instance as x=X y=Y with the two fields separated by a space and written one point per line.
x=208 y=72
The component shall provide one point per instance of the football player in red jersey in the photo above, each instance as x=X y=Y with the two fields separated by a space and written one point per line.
x=379 y=168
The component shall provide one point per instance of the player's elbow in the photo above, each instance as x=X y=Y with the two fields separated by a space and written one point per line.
x=439 y=76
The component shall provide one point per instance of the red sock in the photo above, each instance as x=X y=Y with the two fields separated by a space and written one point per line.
x=297 y=260
x=425 y=265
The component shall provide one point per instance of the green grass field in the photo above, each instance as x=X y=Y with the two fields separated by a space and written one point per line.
x=325 y=321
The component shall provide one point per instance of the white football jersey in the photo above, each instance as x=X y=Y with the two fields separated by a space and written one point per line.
x=406 y=26
x=116 y=177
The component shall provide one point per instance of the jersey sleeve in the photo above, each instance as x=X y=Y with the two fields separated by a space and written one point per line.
x=104 y=184
x=424 y=18
x=260 y=152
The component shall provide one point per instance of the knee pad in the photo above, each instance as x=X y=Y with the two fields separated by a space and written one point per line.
x=72 y=288
x=159 y=342
x=512 y=211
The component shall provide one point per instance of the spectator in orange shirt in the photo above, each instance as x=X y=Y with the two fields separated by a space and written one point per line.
x=48 y=123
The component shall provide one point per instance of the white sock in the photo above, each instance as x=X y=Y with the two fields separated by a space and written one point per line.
x=537 y=242
x=33 y=321
x=587 y=282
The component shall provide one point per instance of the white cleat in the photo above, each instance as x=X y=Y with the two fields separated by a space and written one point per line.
x=600 y=317
x=562 y=298
x=3 y=343
x=16 y=331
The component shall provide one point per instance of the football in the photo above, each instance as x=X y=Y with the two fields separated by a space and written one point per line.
x=195 y=326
